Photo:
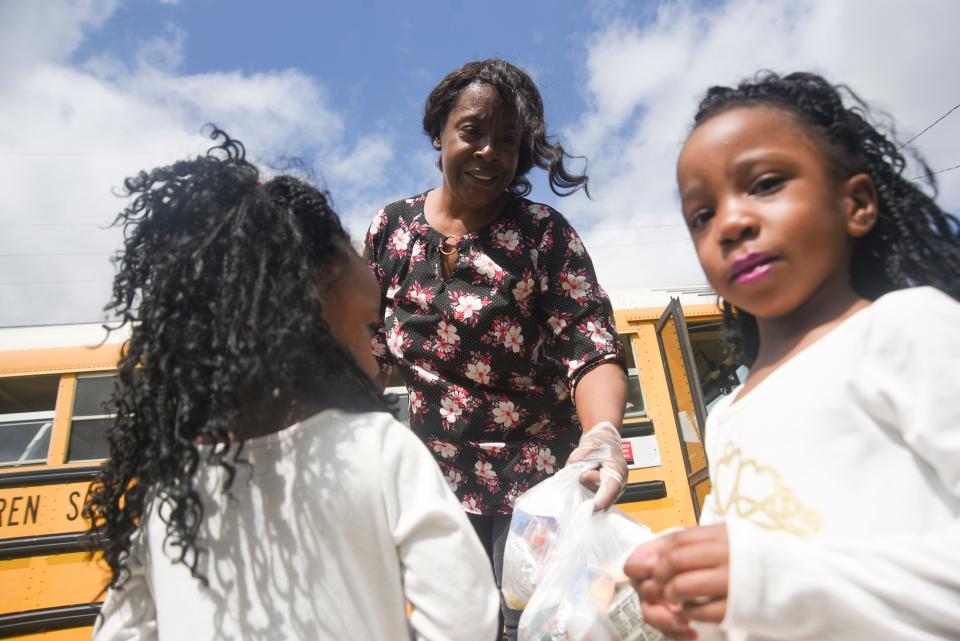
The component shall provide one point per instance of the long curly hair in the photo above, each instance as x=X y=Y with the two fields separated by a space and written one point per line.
x=519 y=93
x=914 y=242
x=221 y=280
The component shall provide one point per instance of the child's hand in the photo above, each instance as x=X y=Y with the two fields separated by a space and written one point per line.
x=682 y=577
x=666 y=617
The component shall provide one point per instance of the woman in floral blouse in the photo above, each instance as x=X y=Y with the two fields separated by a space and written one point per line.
x=492 y=311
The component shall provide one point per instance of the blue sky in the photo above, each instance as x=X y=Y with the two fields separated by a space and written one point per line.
x=378 y=59
x=95 y=90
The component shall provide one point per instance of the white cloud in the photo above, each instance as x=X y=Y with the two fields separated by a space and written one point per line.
x=163 y=52
x=644 y=81
x=70 y=133
x=62 y=25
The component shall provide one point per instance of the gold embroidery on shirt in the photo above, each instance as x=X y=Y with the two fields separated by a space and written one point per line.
x=774 y=507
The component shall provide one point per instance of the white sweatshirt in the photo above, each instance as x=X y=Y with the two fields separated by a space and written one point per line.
x=340 y=520
x=839 y=480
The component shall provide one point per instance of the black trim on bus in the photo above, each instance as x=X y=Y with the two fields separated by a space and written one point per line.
x=44 y=544
x=640 y=428
x=49 y=477
x=646 y=491
x=34 y=621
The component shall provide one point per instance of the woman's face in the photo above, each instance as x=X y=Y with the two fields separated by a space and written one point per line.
x=351 y=306
x=479 y=147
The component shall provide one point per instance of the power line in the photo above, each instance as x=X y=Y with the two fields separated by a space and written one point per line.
x=57 y=282
x=931 y=125
x=586 y=212
x=104 y=226
x=933 y=173
x=52 y=255
x=91 y=153
x=586 y=231
x=642 y=242
x=610 y=227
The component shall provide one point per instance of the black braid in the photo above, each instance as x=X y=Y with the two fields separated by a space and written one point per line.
x=221 y=280
x=914 y=242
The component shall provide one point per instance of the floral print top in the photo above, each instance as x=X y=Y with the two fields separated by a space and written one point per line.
x=490 y=356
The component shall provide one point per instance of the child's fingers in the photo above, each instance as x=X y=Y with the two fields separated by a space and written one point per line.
x=706 y=611
x=671 y=623
x=694 y=586
x=649 y=590
x=639 y=564
x=699 y=534
x=674 y=560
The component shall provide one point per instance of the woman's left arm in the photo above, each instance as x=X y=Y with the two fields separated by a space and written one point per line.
x=601 y=395
x=583 y=336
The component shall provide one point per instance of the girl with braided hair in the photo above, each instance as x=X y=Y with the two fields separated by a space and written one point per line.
x=835 y=509
x=256 y=486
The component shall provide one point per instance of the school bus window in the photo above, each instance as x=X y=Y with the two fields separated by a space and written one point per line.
x=90 y=420
x=635 y=406
x=716 y=369
x=27 y=406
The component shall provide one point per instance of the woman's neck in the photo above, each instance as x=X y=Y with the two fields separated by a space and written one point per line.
x=451 y=217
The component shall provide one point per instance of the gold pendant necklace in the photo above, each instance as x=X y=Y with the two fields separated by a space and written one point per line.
x=443 y=245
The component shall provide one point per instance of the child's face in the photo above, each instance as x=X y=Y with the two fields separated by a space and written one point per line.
x=768 y=219
x=351 y=306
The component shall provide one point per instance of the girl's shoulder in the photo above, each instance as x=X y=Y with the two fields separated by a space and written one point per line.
x=910 y=329
x=329 y=428
x=916 y=307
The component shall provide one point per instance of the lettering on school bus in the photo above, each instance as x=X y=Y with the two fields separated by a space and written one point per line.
x=39 y=510
x=20 y=510
x=75 y=507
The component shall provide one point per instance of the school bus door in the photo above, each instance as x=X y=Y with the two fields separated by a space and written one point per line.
x=687 y=398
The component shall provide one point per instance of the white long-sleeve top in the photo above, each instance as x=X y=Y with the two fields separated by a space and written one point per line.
x=839 y=480
x=338 y=522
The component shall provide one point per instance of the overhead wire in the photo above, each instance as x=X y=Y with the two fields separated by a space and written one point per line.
x=569 y=213
x=931 y=125
x=934 y=173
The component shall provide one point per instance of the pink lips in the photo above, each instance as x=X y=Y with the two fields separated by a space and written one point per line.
x=751 y=267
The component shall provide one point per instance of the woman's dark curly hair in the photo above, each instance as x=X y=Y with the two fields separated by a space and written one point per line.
x=220 y=279
x=519 y=92
x=914 y=242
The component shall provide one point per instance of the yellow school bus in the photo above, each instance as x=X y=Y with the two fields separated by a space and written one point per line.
x=678 y=368
x=54 y=381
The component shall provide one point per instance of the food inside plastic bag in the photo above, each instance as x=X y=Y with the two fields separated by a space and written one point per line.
x=583 y=594
x=538 y=515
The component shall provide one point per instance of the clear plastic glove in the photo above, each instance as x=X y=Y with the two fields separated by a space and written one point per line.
x=603 y=442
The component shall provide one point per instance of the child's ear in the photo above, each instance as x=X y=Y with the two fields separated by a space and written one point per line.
x=861 y=199
x=436 y=143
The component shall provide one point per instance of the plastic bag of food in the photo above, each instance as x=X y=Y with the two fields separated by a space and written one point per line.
x=583 y=594
x=538 y=517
